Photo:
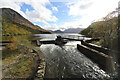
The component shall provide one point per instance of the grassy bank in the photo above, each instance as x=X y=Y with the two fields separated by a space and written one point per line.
x=19 y=58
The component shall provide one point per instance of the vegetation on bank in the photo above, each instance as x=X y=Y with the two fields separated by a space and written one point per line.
x=106 y=30
x=18 y=58
x=11 y=28
x=15 y=24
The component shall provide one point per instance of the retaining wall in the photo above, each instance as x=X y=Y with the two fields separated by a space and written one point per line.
x=98 y=48
x=104 y=61
x=91 y=40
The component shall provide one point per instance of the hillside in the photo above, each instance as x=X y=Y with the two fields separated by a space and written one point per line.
x=73 y=30
x=20 y=55
x=13 y=23
x=106 y=31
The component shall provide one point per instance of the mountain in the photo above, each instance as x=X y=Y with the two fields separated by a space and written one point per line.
x=73 y=30
x=69 y=30
x=58 y=31
x=107 y=31
x=14 y=23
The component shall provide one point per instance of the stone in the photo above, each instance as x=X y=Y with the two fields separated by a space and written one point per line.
x=40 y=67
x=40 y=71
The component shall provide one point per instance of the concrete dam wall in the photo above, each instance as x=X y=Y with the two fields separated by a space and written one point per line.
x=98 y=48
x=98 y=55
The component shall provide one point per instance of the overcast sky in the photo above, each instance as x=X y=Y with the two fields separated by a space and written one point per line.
x=61 y=14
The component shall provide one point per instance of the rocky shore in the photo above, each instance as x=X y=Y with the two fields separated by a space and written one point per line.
x=40 y=71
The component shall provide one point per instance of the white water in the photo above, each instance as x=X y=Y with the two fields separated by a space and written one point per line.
x=67 y=62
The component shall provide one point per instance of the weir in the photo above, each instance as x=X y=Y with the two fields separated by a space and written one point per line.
x=97 y=54
x=65 y=38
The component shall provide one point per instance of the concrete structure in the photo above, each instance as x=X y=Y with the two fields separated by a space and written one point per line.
x=98 y=56
x=98 y=48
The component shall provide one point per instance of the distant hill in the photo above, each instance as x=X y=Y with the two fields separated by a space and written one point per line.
x=73 y=30
x=14 y=23
x=58 y=31
x=69 y=30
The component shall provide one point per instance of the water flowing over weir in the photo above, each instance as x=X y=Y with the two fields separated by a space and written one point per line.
x=67 y=62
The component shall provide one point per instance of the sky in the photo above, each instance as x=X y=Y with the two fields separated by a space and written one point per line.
x=61 y=14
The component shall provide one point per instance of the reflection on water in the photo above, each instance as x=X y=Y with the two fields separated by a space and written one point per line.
x=68 y=62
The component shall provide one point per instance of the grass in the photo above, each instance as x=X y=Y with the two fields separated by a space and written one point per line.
x=21 y=68
x=9 y=56
x=10 y=59
x=18 y=58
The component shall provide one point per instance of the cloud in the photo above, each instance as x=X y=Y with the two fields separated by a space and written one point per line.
x=54 y=9
x=39 y=14
x=91 y=9
x=66 y=25
x=74 y=24
x=79 y=7
x=51 y=27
